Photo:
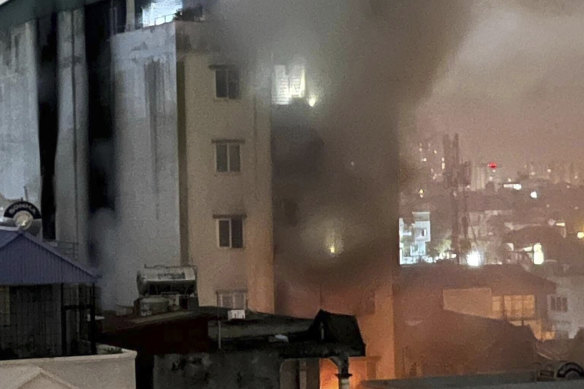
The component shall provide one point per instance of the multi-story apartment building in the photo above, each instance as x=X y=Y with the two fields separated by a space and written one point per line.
x=414 y=236
x=171 y=133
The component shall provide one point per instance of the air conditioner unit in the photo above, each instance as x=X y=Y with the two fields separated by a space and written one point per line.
x=236 y=314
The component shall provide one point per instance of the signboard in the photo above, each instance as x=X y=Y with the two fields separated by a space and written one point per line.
x=23 y=215
x=22 y=206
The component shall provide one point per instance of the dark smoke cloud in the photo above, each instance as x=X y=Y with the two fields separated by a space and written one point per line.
x=370 y=63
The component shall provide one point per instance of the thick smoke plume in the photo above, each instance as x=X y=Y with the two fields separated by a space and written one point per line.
x=368 y=64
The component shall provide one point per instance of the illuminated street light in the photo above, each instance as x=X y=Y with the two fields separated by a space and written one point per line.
x=580 y=234
x=312 y=101
x=538 y=256
x=474 y=259
x=533 y=195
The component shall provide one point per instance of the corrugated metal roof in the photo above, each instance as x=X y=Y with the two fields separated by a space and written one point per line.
x=25 y=260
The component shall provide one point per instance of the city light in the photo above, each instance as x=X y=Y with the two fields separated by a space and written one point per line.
x=538 y=256
x=312 y=100
x=580 y=234
x=474 y=259
x=533 y=195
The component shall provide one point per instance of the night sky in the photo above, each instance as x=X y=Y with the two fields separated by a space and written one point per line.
x=514 y=90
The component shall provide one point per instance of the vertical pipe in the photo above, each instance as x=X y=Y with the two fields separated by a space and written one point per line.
x=63 y=322
x=92 y=326
x=130 y=15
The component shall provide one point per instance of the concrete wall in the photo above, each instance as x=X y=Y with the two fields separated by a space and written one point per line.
x=19 y=148
x=470 y=301
x=377 y=329
x=71 y=162
x=247 y=192
x=218 y=371
x=87 y=372
x=146 y=159
x=501 y=381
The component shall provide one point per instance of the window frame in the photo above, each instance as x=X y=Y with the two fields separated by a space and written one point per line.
x=228 y=69
x=222 y=295
x=558 y=304
x=230 y=218
x=514 y=307
x=229 y=144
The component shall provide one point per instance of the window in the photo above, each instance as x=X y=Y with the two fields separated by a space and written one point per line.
x=558 y=304
x=226 y=83
x=232 y=299
x=420 y=232
x=227 y=157
x=230 y=232
x=4 y=306
x=513 y=307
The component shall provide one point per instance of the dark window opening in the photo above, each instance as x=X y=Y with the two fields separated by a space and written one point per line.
x=231 y=232
x=226 y=83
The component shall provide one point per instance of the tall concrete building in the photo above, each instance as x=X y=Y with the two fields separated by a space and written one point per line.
x=143 y=142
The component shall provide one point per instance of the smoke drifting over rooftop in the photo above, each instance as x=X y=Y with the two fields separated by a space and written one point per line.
x=368 y=63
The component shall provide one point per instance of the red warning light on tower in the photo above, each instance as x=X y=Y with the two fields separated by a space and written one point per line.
x=492 y=165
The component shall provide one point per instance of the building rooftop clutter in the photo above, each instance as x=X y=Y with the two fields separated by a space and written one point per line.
x=502 y=279
x=25 y=260
x=480 y=344
x=328 y=333
x=555 y=246
x=202 y=346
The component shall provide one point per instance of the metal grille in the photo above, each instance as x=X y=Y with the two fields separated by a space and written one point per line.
x=233 y=299
x=45 y=321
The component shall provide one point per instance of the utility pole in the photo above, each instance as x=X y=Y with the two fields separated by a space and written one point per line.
x=456 y=178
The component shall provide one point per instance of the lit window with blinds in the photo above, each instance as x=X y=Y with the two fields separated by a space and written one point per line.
x=512 y=307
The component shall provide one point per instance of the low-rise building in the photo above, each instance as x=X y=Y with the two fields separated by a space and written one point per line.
x=495 y=293
x=47 y=322
x=204 y=348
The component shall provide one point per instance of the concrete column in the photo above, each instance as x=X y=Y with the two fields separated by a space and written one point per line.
x=344 y=380
x=71 y=160
x=344 y=376
x=19 y=140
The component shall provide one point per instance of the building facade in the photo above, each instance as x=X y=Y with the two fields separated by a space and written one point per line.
x=160 y=123
x=414 y=237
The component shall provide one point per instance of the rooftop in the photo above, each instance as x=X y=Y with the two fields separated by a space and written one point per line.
x=26 y=260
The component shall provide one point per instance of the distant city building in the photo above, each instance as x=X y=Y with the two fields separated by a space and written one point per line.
x=414 y=236
x=566 y=311
x=484 y=175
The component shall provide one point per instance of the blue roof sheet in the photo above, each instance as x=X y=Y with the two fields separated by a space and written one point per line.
x=25 y=260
